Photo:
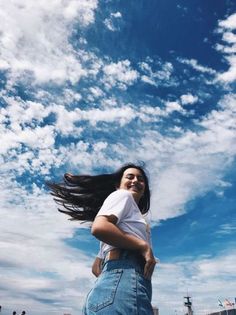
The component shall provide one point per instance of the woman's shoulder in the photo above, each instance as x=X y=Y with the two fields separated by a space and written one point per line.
x=119 y=199
x=119 y=195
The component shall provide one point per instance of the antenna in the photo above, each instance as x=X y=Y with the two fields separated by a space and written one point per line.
x=188 y=304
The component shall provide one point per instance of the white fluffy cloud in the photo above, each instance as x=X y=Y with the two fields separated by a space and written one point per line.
x=119 y=74
x=214 y=144
x=113 y=22
x=30 y=143
x=191 y=164
x=188 y=99
x=229 y=23
x=40 y=265
x=173 y=107
x=227 y=27
x=163 y=75
x=35 y=38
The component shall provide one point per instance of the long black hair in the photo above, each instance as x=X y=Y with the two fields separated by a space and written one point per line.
x=83 y=195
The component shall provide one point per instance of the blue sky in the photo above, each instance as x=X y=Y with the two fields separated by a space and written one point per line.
x=89 y=85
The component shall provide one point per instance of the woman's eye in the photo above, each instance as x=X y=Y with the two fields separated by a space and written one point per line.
x=129 y=177
x=141 y=179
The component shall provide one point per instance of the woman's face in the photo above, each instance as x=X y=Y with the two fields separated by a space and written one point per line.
x=133 y=181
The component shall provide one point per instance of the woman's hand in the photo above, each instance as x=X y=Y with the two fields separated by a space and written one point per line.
x=105 y=230
x=97 y=266
x=149 y=266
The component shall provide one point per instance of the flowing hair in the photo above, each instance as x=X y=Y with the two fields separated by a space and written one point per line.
x=83 y=195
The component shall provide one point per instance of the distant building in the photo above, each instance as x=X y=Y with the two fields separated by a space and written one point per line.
x=155 y=310
x=225 y=312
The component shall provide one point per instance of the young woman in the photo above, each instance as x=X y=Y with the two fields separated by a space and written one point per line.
x=117 y=204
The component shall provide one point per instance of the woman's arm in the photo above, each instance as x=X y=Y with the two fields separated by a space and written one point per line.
x=105 y=230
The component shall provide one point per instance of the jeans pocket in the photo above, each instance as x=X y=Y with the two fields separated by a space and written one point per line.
x=145 y=285
x=104 y=291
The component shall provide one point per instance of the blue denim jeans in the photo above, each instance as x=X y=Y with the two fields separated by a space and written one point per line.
x=120 y=289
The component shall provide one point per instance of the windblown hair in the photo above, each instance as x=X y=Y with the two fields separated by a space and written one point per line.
x=83 y=195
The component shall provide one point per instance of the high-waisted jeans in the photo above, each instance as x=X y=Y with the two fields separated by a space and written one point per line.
x=121 y=289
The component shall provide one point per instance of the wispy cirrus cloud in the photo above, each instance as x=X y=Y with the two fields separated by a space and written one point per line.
x=196 y=66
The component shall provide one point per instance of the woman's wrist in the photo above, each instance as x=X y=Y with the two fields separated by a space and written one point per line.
x=144 y=246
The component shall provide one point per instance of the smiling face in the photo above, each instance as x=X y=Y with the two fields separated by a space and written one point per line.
x=133 y=181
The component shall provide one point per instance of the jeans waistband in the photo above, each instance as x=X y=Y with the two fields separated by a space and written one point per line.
x=127 y=260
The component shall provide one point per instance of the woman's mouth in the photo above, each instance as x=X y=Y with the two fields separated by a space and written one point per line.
x=135 y=188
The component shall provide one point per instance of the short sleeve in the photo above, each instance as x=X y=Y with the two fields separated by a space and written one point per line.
x=117 y=203
x=147 y=218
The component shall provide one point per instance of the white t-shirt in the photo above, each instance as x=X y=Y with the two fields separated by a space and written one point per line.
x=130 y=220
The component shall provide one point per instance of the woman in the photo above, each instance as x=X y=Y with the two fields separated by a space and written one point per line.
x=117 y=204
